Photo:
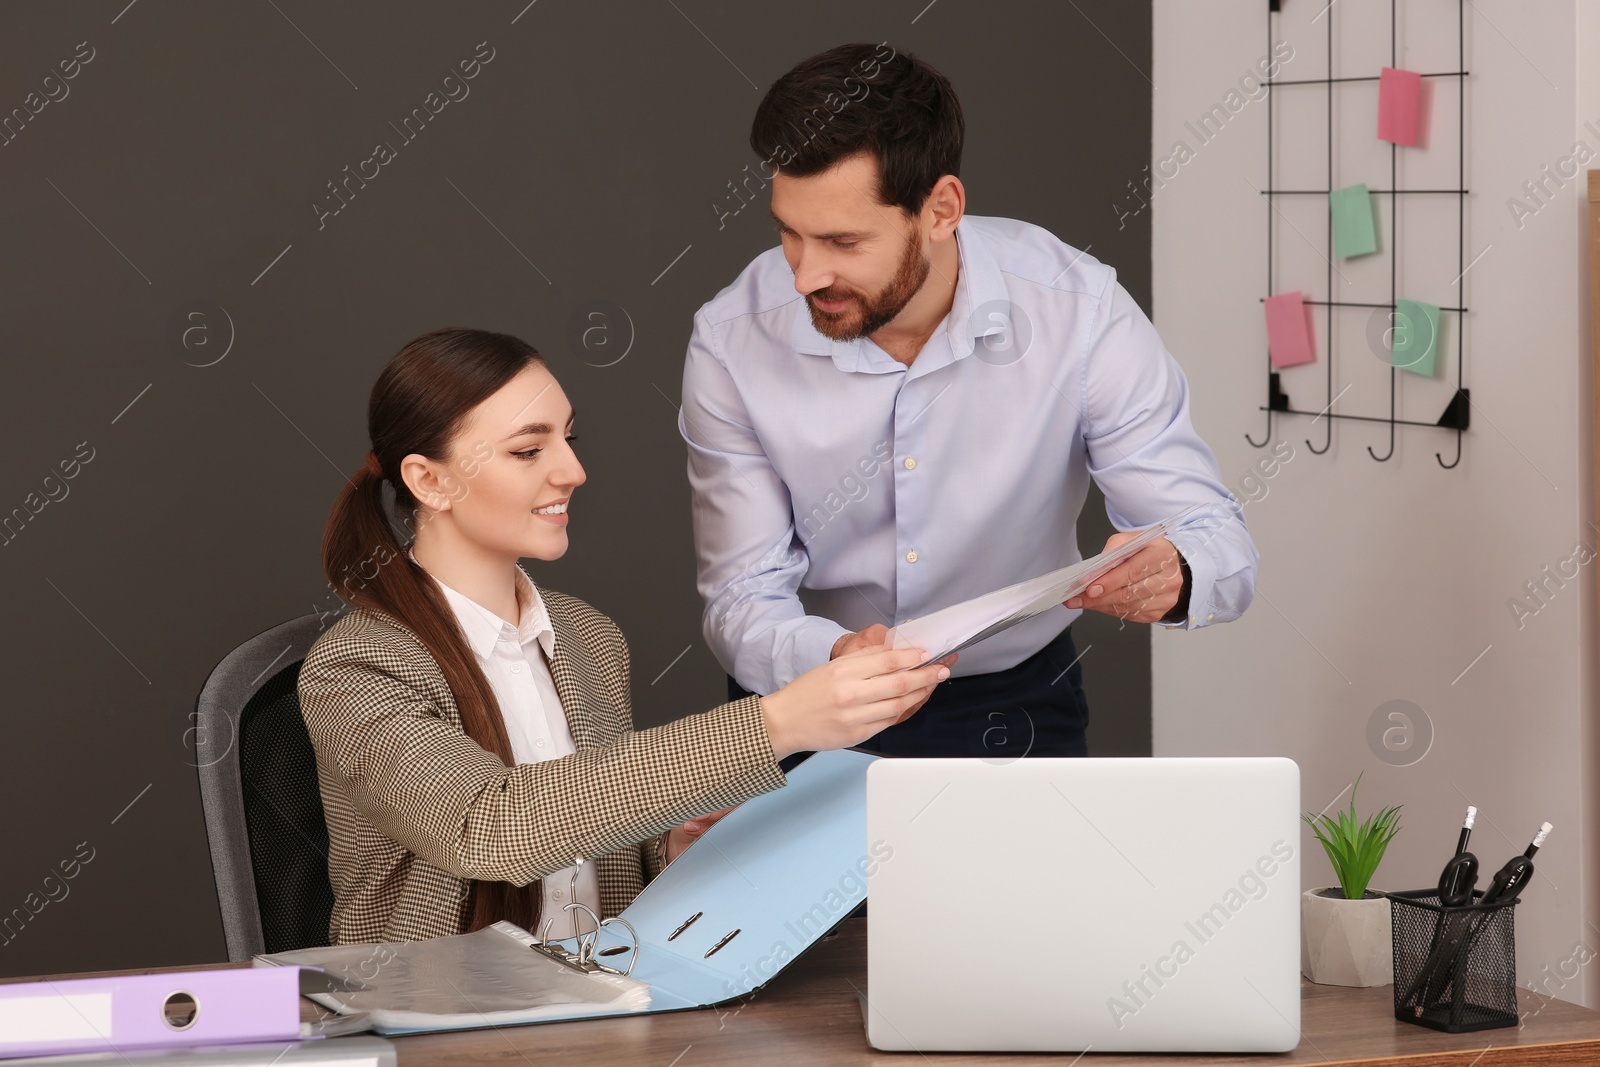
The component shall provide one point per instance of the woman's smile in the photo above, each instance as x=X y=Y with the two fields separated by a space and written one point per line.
x=555 y=512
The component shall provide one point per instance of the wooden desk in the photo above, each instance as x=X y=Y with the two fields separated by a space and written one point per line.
x=811 y=1013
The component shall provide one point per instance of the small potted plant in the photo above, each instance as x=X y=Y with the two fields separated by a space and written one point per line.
x=1344 y=930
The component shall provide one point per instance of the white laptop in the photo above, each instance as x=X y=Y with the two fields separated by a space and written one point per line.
x=1065 y=905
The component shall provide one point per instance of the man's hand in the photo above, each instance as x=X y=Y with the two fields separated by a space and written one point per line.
x=878 y=634
x=681 y=837
x=1142 y=589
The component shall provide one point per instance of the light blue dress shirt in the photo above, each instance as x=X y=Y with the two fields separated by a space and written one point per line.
x=835 y=488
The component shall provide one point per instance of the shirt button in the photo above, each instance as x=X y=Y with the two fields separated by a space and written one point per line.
x=911 y=557
x=1211 y=616
x=516 y=668
x=558 y=895
x=540 y=742
x=911 y=464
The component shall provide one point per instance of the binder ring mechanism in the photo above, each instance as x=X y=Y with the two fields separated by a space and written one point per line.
x=585 y=958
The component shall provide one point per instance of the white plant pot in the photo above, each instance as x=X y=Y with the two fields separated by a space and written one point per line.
x=1345 y=942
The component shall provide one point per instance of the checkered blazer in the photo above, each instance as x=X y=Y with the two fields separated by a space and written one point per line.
x=416 y=808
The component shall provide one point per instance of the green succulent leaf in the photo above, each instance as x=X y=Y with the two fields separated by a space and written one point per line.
x=1355 y=847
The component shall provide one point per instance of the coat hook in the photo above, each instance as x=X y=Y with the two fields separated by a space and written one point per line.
x=1440 y=456
x=1385 y=457
x=1268 y=440
x=1327 y=444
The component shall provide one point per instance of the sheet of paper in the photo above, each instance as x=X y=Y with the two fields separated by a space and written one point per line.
x=1288 y=330
x=1354 y=233
x=1414 y=337
x=960 y=625
x=1399 y=106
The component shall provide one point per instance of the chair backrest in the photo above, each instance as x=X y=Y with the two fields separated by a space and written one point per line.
x=258 y=787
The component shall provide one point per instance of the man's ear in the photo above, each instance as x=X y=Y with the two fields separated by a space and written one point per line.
x=946 y=203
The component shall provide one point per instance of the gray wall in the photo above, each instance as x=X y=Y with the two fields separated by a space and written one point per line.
x=178 y=175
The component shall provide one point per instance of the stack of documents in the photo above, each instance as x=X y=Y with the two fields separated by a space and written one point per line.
x=960 y=625
x=490 y=977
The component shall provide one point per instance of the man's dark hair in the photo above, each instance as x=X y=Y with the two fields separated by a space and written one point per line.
x=864 y=97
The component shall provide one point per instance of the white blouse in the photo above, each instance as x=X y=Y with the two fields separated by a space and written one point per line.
x=515 y=659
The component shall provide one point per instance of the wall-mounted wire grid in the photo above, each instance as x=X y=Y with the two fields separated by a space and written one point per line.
x=1457 y=414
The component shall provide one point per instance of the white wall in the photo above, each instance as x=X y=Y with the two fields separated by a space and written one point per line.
x=1384 y=581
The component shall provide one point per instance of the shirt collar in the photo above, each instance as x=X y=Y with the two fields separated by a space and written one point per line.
x=980 y=307
x=484 y=629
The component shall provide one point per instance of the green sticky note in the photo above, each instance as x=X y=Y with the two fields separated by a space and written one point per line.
x=1414 y=336
x=1353 y=231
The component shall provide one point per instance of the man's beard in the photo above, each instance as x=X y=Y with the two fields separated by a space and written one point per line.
x=870 y=315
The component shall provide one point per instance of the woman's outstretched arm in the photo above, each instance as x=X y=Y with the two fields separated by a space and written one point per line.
x=423 y=782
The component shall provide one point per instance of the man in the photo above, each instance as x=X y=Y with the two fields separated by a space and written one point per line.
x=901 y=409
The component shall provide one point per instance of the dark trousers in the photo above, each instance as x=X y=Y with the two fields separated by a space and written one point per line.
x=1036 y=708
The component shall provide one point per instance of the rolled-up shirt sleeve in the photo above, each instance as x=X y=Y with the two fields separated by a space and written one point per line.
x=1144 y=454
x=750 y=563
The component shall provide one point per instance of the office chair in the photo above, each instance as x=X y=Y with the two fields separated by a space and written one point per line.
x=258 y=787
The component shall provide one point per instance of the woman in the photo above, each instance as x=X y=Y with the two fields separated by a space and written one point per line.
x=473 y=732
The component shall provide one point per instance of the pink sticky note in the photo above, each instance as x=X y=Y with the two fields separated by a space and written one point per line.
x=1399 y=106
x=1288 y=330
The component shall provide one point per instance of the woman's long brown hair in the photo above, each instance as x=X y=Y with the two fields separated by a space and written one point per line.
x=418 y=405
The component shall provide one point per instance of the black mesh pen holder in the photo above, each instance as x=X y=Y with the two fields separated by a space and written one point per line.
x=1455 y=968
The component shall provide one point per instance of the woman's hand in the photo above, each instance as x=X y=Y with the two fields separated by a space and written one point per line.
x=681 y=837
x=878 y=634
x=848 y=699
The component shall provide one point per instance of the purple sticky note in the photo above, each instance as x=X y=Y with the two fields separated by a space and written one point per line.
x=1399 y=106
x=1288 y=330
